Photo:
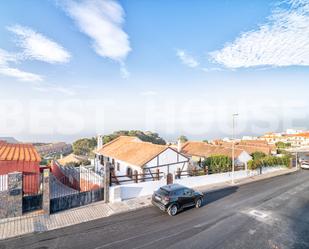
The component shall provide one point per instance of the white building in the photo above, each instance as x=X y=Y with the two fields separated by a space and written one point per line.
x=130 y=155
x=296 y=140
x=199 y=151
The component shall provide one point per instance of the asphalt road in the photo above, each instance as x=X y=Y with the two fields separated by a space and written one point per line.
x=272 y=213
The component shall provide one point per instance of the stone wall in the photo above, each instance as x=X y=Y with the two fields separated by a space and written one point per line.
x=11 y=200
x=3 y=204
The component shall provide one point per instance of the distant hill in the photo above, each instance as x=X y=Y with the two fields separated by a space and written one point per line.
x=10 y=140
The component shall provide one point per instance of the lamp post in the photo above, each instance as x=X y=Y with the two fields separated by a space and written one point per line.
x=233 y=146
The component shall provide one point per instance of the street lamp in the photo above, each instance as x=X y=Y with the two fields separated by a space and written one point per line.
x=233 y=146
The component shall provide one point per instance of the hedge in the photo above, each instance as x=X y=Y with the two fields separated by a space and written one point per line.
x=269 y=161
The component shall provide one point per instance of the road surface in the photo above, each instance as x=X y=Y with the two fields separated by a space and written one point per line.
x=272 y=213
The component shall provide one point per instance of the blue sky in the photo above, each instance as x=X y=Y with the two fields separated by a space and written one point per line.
x=78 y=68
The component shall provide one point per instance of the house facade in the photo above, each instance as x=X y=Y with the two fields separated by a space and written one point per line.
x=296 y=140
x=21 y=158
x=130 y=155
x=199 y=151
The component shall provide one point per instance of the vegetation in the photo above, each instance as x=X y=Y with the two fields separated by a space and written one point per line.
x=206 y=141
x=218 y=163
x=183 y=139
x=44 y=161
x=269 y=161
x=282 y=145
x=144 y=136
x=84 y=146
x=258 y=155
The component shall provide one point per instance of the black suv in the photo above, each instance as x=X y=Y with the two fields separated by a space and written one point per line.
x=174 y=197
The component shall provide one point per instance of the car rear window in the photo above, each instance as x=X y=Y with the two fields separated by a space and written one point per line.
x=162 y=192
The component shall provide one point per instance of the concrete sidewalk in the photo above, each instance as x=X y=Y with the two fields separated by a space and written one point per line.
x=33 y=223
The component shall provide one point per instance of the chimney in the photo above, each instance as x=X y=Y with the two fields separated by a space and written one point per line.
x=179 y=145
x=99 y=142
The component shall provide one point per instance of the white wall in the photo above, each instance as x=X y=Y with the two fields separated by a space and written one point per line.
x=133 y=190
x=166 y=157
x=3 y=182
x=128 y=191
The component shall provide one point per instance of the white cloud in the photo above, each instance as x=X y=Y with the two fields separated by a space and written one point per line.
x=7 y=70
x=38 y=47
x=46 y=87
x=124 y=71
x=282 y=41
x=187 y=59
x=19 y=74
x=102 y=21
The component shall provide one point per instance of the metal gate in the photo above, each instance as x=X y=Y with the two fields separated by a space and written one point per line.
x=32 y=192
x=73 y=187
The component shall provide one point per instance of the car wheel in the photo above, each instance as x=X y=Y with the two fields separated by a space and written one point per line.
x=198 y=203
x=172 y=211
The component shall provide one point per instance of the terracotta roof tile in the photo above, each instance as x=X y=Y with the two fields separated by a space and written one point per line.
x=205 y=150
x=131 y=150
x=71 y=158
x=18 y=152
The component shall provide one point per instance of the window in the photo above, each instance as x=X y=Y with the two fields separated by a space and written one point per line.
x=113 y=161
x=118 y=166
x=187 y=192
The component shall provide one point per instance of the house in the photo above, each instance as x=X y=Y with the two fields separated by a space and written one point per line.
x=198 y=151
x=251 y=146
x=54 y=148
x=21 y=158
x=72 y=159
x=295 y=139
x=129 y=155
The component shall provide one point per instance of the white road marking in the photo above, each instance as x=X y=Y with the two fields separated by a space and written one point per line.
x=258 y=214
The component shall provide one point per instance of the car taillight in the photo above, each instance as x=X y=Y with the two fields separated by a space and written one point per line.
x=166 y=198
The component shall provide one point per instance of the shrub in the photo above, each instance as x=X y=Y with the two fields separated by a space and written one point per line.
x=218 y=163
x=258 y=155
x=269 y=161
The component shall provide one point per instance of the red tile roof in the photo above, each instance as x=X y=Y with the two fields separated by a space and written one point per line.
x=131 y=150
x=18 y=152
x=202 y=149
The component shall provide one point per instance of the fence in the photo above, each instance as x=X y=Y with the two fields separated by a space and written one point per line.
x=75 y=200
x=136 y=178
x=200 y=172
x=73 y=187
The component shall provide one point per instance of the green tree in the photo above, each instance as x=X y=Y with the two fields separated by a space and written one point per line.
x=84 y=146
x=282 y=145
x=257 y=155
x=183 y=139
x=144 y=136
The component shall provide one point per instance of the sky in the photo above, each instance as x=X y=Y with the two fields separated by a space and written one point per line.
x=73 y=68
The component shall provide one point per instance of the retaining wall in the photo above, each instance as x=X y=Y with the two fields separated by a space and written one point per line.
x=129 y=191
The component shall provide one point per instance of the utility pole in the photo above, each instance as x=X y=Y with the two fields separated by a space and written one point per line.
x=233 y=146
x=296 y=160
